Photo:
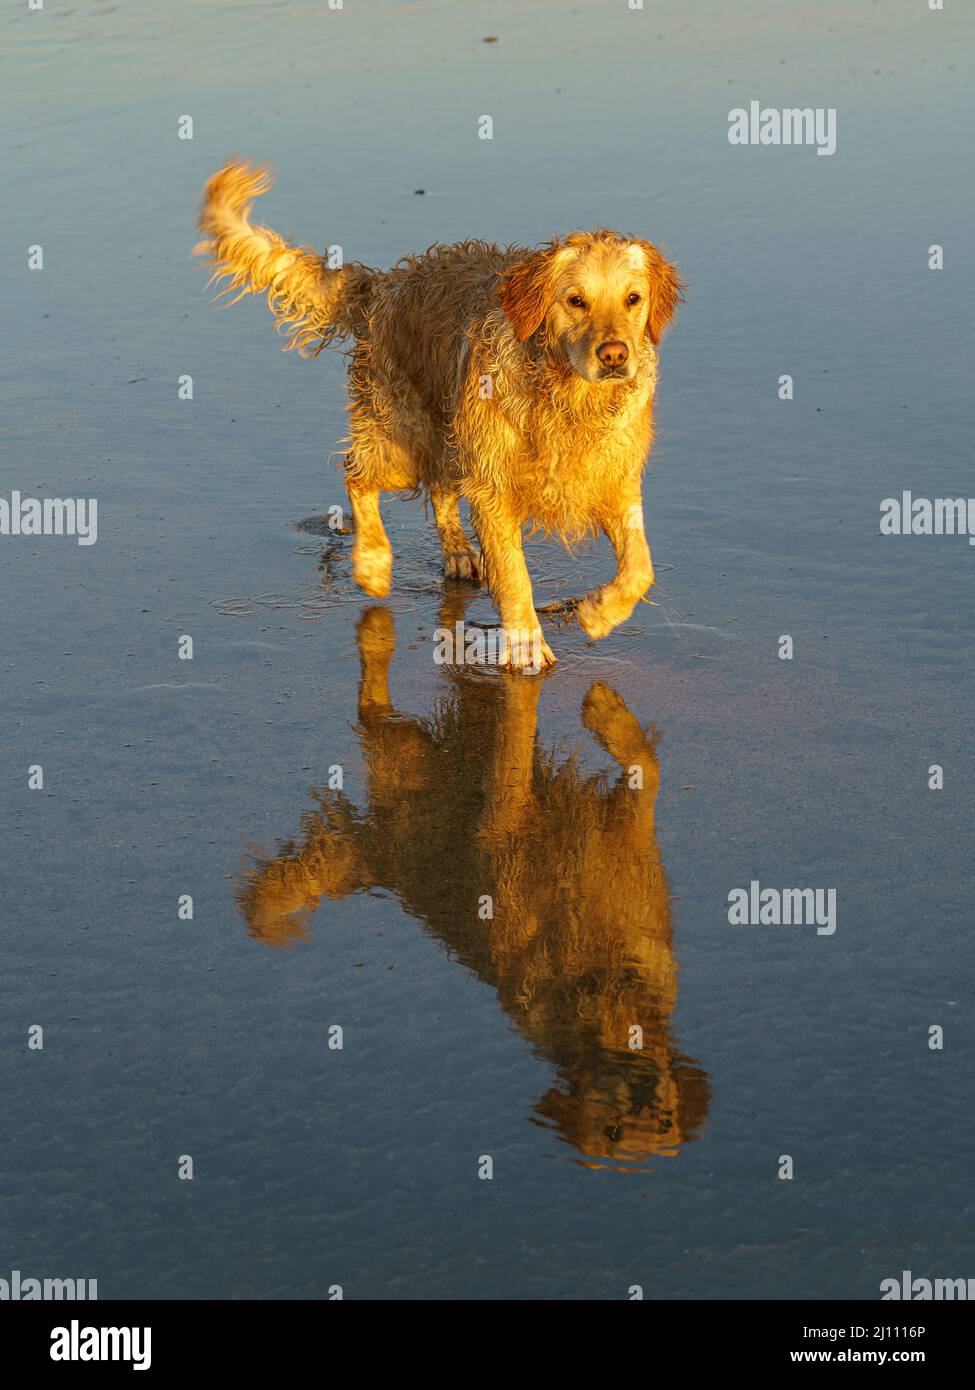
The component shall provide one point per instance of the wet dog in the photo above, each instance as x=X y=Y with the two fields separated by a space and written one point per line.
x=521 y=380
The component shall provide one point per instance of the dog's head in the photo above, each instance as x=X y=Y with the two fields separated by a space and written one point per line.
x=597 y=295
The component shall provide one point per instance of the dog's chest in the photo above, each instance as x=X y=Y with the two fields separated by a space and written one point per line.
x=554 y=450
x=564 y=487
x=567 y=483
x=575 y=451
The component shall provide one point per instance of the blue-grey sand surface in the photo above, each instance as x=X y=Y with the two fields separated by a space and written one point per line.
x=468 y=1038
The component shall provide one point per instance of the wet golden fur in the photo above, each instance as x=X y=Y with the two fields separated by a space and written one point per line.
x=520 y=379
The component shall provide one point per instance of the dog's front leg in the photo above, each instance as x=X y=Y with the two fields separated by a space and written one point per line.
x=523 y=647
x=611 y=605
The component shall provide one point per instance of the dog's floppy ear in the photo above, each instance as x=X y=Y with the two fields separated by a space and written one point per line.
x=525 y=291
x=664 y=290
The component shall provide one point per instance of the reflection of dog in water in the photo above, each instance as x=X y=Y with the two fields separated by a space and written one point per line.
x=545 y=882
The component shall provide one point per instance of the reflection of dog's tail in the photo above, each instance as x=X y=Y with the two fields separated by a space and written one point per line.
x=278 y=893
x=313 y=304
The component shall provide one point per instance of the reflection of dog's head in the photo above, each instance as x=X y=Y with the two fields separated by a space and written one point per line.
x=465 y=806
x=598 y=296
x=630 y=1110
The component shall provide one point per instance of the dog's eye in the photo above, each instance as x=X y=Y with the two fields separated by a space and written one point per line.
x=577 y=301
x=633 y=298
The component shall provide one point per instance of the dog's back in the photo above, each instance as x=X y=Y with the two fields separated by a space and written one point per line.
x=411 y=355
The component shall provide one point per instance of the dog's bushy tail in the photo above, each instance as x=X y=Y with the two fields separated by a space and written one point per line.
x=313 y=305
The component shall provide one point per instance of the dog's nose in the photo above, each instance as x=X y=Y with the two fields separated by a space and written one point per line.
x=612 y=354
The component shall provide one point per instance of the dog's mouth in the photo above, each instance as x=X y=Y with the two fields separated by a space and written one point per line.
x=615 y=373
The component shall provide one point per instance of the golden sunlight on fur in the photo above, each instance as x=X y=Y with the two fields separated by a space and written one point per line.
x=466 y=803
x=520 y=379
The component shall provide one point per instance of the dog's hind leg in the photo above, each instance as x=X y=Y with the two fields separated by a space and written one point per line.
x=375 y=463
x=460 y=559
x=372 y=554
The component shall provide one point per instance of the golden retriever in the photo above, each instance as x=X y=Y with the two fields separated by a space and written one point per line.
x=519 y=379
x=543 y=881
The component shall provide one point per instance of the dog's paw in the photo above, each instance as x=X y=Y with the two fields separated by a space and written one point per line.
x=372 y=570
x=464 y=564
x=525 y=650
x=594 y=618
